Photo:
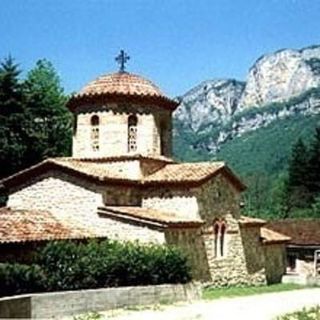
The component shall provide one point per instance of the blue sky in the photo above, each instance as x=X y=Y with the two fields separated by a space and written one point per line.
x=175 y=43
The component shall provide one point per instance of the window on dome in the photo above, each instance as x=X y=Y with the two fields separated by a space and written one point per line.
x=132 y=133
x=95 y=121
x=163 y=130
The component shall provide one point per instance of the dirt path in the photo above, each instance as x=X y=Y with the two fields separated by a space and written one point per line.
x=258 y=307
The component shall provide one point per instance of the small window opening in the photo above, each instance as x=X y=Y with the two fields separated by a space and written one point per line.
x=222 y=232
x=216 y=237
x=132 y=133
x=219 y=230
x=95 y=121
x=163 y=129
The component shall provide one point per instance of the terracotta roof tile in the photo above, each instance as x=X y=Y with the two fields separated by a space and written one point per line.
x=271 y=237
x=149 y=215
x=249 y=221
x=34 y=225
x=303 y=232
x=122 y=84
x=100 y=170
x=184 y=172
x=187 y=174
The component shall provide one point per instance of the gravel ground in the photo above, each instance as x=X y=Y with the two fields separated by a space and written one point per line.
x=258 y=307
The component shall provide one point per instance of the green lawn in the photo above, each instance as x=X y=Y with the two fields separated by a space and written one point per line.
x=216 y=293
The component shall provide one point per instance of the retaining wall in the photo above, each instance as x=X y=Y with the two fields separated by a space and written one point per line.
x=55 y=305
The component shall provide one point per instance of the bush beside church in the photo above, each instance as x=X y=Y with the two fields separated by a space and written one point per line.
x=66 y=265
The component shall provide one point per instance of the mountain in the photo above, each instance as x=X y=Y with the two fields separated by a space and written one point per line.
x=279 y=85
x=282 y=75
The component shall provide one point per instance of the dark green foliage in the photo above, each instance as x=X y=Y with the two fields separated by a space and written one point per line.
x=66 y=265
x=314 y=64
x=297 y=195
x=19 y=278
x=303 y=185
x=3 y=196
x=34 y=122
x=12 y=121
x=51 y=130
x=261 y=158
x=313 y=167
x=298 y=164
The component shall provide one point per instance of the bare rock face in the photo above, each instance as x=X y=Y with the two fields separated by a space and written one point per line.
x=211 y=102
x=281 y=75
x=216 y=111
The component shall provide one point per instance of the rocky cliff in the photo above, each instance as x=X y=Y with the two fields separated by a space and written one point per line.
x=218 y=110
x=211 y=102
x=281 y=75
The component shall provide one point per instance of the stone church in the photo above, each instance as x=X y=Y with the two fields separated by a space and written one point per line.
x=122 y=183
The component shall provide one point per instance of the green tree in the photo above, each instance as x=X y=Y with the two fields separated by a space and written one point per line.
x=298 y=164
x=49 y=121
x=12 y=130
x=313 y=174
x=297 y=192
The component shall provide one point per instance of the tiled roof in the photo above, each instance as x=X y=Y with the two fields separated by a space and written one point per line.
x=303 y=232
x=145 y=215
x=192 y=173
x=271 y=237
x=122 y=84
x=100 y=170
x=34 y=225
x=183 y=172
x=249 y=221
x=186 y=174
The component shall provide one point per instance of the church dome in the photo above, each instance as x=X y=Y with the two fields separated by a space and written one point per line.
x=122 y=86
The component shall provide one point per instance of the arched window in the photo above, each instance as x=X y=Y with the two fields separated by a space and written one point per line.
x=95 y=132
x=132 y=133
x=163 y=129
x=219 y=230
x=216 y=237
x=222 y=232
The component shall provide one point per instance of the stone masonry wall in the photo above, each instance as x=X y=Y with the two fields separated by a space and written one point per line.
x=113 y=130
x=181 y=202
x=75 y=202
x=191 y=243
x=242 y=260
x=275 y=259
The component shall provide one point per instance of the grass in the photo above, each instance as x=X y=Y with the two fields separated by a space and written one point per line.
x=304 y=314
x=230 y=292
x=89 y=316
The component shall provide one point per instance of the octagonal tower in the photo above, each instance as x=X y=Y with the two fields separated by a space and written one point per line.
x=121 y=114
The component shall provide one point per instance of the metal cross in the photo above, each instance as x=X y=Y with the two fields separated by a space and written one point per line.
x=122 y=58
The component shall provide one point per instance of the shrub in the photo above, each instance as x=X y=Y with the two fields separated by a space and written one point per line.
x=69 y=265
x=19 y=278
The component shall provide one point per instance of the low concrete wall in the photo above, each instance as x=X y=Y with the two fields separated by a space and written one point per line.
x=55 y=305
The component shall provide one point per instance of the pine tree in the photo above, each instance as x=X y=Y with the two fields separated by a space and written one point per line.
x=50 y=123
x=11 y=118
x=313 y=175
x=298 y=164
x=297 y=194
